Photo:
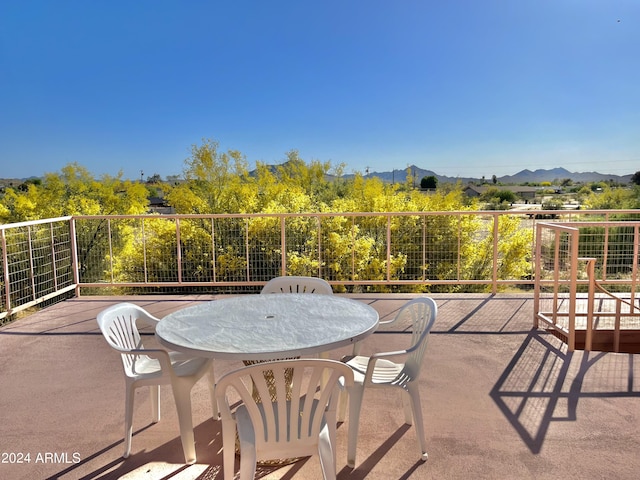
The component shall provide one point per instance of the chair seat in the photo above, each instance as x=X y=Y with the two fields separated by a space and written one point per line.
x=183 y=365
x=385 y=371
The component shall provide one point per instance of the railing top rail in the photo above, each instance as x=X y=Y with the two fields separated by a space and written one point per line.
x=34 y=222
x=567 y=227
x=278 y=215
x=370 y=214
x=608 y=223
x=569 y=213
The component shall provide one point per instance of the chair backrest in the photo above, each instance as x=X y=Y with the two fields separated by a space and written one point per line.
x=293 y=284
x=421 y=314
x=118 y=324
x=309 y=387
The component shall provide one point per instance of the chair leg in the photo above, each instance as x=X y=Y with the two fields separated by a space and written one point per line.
x=212 y=393
x=247 y=440
x=154 y=393
x=248 y=461
x=327 y=452
x=228 y=452
x=342 y=404
x=128 y=419
x=331 y=427
x=416 y=406
x=182 y=396
x=407 y=407
x=355 y=403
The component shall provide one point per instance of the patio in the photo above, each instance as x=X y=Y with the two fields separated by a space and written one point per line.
x=501 y=401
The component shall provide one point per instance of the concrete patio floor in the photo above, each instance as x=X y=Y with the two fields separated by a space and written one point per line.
x=500 y=401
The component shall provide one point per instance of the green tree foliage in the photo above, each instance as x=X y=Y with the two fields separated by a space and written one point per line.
x=350 y=249
x=214 y=182
x=498 y=199
x=73 y=191
x=613 y=198
x=430 y=182
x=155 y=178
x=336 y=247
x=553 y=204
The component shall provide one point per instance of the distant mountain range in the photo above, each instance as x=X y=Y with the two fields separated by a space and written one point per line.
x=524 y=176
x=399 y=176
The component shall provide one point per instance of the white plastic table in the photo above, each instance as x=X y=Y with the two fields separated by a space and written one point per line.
x=264 y=327
x=267 y=327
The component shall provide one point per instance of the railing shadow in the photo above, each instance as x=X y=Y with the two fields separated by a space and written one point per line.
x=544 y=382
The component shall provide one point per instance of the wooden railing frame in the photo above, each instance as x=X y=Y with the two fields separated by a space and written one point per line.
x=594 y=286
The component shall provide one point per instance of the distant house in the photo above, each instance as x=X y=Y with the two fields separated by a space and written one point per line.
x=159 y=205
x=526 y=193
x=473 y=191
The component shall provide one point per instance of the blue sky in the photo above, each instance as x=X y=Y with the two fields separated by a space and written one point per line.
x=460 y=87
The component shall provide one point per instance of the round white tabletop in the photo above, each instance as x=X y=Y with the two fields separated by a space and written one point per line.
x=267 y=327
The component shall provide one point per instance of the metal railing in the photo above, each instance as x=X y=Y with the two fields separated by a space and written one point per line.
x=586 y=281
x=460 y=251
x=37 y=263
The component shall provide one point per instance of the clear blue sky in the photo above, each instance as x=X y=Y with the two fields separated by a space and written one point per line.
x=460 y=87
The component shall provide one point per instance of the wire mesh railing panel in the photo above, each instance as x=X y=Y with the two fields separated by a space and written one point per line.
x=3 y=287
x=62 y=258
x=230 y=249
x=554 y=276
x=42 y=260
x=473 y=240
x=94 y=253
x=196 y=250
x=614 y=246
x=19 y=260
x=265 y=254
x=369 y=243
x=336 y=243
x=302 y=252
x=408 y=248
x=555 y=258
x=157 y=252
x=461 y=248
x=36 y=263
x=373 y=251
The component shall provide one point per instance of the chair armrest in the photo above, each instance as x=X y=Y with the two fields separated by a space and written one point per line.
x=149 y=320
x=373 y=359
x=387 y=322
x=386 y=355
x=161 y=355
x=158 y=354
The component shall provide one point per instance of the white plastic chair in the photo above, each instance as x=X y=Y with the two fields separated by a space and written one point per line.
x=293 y=284
x=379 y=371
x=269 y=428
x=154 y=367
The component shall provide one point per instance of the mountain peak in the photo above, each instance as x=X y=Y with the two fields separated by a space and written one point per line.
x=524 y=176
